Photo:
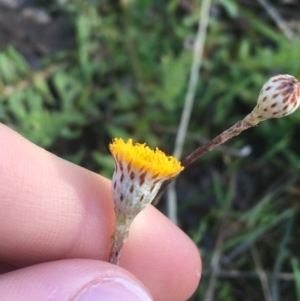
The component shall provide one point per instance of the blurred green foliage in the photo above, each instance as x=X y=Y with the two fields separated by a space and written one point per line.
x=127 y=77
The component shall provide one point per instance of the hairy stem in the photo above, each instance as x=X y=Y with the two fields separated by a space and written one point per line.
x=119 y=238
x=249 y=121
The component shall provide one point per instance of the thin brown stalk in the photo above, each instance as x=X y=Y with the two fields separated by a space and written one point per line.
x=248 y=122
x=235 y=130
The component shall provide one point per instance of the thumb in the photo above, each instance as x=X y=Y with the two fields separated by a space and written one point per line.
x=72 y=280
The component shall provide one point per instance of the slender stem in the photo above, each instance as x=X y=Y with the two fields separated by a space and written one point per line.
x=115 y=251
x=249 y=121
x=240 y=126
x=119 y=238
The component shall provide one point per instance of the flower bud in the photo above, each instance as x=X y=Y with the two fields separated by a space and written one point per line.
x=279 y=96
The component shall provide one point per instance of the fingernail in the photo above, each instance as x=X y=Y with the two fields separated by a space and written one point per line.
x=114 y=290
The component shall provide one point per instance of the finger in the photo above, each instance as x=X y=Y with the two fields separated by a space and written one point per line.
x=75 y=279
x=51 y=209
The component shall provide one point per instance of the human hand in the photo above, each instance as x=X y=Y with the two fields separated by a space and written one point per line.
x=56 y=220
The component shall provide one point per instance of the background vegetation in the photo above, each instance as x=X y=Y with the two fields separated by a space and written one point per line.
x=124 y=73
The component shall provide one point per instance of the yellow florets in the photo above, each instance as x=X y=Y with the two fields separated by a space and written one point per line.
x=155 y=161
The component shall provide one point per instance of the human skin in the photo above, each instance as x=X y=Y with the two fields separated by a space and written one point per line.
x=56 y=220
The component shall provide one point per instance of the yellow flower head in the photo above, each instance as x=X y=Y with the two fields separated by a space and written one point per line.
x=139 y=173
x=155 y=162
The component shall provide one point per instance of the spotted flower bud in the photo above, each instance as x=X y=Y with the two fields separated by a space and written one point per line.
x=139 y=173
x=279 y=96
